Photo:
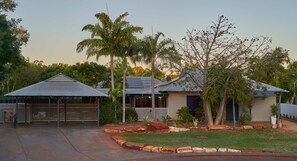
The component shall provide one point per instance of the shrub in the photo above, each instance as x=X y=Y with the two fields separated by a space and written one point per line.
x=195 y=122
x=199 y=113
x=184 y=114
x=146 y=120
x=166 y=118
x=131 y=115
x=175 y=123
x=273 y=109
x=245 y=116
x=108 y=110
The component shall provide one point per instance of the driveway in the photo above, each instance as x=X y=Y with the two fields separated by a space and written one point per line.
x=63 y=144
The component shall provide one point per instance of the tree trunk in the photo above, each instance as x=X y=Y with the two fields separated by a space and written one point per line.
x=220 y=112
x=112 y=76
x=153 y=88
x=124 y=89
x=207 y=111
x=292 y=101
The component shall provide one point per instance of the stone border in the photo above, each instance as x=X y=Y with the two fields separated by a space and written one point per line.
x=188 y=149
x=167 y=149
x=202 y=128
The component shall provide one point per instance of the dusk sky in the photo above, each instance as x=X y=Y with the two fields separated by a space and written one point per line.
x=55 y=25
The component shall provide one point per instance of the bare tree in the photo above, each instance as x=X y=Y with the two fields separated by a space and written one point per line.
x=216 y=46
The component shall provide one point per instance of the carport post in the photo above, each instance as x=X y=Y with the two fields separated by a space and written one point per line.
x=98 y=112
x=58 y=111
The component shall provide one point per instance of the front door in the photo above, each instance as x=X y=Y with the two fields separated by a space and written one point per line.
x=193 y=103
x=229 y=111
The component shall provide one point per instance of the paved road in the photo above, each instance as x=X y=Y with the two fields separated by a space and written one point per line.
x=89 y=144
x=62 y=144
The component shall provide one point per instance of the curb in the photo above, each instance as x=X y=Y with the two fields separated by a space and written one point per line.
x=170 y=150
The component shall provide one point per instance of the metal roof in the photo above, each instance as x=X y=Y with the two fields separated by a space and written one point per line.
x=58 y=85
x=140 y=82
x=132 y=91
x=185 y=84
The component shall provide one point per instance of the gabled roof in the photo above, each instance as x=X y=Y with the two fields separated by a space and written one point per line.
x=58 y=85
x=185 y=84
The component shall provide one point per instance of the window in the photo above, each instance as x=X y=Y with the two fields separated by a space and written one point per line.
x=145 y=101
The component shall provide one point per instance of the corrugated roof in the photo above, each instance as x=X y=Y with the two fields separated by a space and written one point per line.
x=140 y=82
x=185 y=84
x=132 y=91
x=58 y=85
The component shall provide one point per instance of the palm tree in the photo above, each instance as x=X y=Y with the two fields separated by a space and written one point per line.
x=105 y=36
x=152 y=50
x=128 y=48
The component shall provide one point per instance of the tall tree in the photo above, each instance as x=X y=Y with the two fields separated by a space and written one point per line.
x=12 y=37
x=152 y=50
x=105 y=36
x=204 y=48
x=128 y=48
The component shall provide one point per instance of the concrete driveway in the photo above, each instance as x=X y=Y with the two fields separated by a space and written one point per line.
x=63 y=144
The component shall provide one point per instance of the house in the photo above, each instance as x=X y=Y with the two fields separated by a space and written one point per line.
x=171 y=95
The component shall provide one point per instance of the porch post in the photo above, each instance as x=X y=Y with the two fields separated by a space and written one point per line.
x=15 y=118
x=234 y=121
x=279 y=108
x=25 y=110
x=58 y=111
x=65 y=109
x=98 y=112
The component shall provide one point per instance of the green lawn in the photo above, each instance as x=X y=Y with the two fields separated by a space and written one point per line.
x=261 y=139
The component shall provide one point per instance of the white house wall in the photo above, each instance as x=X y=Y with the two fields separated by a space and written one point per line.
x=260 y=110
x=176 y=101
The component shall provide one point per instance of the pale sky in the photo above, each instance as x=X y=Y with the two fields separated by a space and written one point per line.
x=55 y=25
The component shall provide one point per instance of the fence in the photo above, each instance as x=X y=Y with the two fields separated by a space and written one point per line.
x=288 y=110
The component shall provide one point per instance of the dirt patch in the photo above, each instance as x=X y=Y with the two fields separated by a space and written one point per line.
x=289 y=125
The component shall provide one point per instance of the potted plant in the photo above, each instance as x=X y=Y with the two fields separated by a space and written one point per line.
x=273 y=114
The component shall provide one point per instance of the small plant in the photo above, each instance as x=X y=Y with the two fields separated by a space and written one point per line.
x=195 y=122
x=146 y=120
x=166 y=118
x=131 y=115
x=245 y=116
x=175 y=123
x=273 y=110
x=184 y=114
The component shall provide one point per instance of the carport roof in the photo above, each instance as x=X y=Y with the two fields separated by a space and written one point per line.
x=58 y=85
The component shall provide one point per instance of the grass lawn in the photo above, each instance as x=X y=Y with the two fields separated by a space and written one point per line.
x=261 y=139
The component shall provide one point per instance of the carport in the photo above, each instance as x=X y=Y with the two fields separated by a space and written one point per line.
x=57 y=87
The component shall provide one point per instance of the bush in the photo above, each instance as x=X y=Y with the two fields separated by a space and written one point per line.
x=108 y=110
x=131 y=115
x=199 y=113
x=146 y=120
x=273 y=109
x=184 y=114
x=166 y=118
x=245 y=116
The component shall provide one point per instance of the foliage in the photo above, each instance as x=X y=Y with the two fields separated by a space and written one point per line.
x=175 y=123
x=245 y=116
x=273 y=109
x=131 y=115
x=146 y=120
x=195 y=122
x=153 y=50
x=144 y=72
x=217 y=46
x=259 y=139
x=166 y=118
x=184 y=114
x=107 y=112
